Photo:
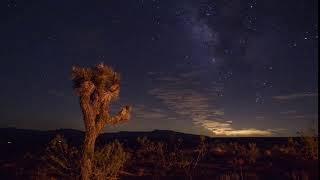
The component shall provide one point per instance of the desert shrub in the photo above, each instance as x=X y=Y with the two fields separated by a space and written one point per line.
x=237 y=176
x=297 y=175
x=25 y=167
x=305 y=147
x=243 y=156
x=109 y=161
x=217 y=149
x=248 y=154
x=229 y=176
x=189 y=163
x=292 y=147
x=236 y=149
x=268 y=152
x=60 y=159
x=165 y=161
x=309 y=146
x=156 y=154
x=252 y=153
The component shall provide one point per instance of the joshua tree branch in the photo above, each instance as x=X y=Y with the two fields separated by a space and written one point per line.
x=122 y=116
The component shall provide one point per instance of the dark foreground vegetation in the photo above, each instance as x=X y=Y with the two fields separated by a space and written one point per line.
x=27 y=154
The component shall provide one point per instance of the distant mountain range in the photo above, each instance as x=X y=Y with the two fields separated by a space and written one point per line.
x=37 y=137
x=26 y=137
x=15 y=143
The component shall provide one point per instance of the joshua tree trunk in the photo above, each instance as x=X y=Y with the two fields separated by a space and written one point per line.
x=87 y=157
x=96 y=87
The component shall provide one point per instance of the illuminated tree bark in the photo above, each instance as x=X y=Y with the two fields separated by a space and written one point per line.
x=96 y=87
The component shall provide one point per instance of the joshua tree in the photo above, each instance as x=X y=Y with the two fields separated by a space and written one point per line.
x=96 y=87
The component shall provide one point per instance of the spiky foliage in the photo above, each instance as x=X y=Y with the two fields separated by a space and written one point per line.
x=60 y=159
x=109 y=160
x=97 y=87
x=252 y=153
x=310 y=143
x=245 y=154
x=166 y=161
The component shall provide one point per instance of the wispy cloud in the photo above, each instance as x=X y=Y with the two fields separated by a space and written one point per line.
x=141 y=111
x=299 y=117
x=260 y=117
x=288 y=112
x=199 y=108
x=192 y=73
x=294 y=96
x=225 y=129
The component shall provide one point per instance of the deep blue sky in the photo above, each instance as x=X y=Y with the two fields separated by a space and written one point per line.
x=224 y=67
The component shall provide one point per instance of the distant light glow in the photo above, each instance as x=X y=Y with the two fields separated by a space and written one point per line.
x=225 y=129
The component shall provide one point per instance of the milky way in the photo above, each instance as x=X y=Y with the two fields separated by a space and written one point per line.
x=219 y=68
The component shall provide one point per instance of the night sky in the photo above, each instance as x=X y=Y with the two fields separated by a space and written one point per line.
x=215 y=67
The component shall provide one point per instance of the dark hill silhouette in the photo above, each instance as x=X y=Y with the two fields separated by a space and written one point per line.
x=14 y=142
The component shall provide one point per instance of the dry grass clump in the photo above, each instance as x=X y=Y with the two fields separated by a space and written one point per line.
x=237 y=176
x=109 y=161
x=249 y=154
x=297 y=175
x=219 y=149
x=252 y=153
x=309 y=146
x=305 y=148
x=156 y=155
x=242 y=157
x=62 y=161
x=165 y=161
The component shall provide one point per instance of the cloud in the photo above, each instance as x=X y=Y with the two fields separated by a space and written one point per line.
x=141 y=111
x=299 y=117
x=192 y=73
x=288 y=112
x=260 y=117
x=219 y=112
x=182 y=101
x=294 y=96
x=225 y=129
x=200 y=108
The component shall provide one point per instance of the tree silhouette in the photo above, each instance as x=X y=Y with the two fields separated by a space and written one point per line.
x=96 y=87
